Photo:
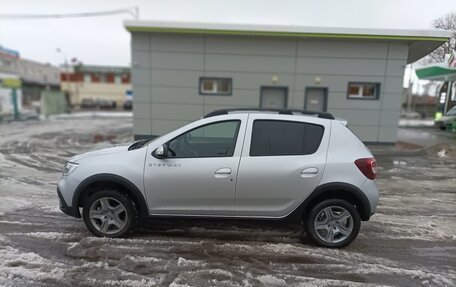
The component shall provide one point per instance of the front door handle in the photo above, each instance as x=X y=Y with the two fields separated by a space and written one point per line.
x=222 y=172
x=309 y=172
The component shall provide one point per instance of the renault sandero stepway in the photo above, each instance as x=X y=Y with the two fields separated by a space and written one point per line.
x=272 y=164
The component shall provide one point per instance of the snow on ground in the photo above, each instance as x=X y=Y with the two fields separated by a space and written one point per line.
x=410 y=241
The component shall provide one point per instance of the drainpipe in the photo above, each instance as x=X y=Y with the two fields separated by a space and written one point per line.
x=15 y=104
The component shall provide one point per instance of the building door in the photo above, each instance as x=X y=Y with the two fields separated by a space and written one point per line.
x=316 y=99
x=273 y=97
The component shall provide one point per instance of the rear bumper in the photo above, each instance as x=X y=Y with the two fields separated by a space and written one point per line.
x=68 y=210
x=372 y=192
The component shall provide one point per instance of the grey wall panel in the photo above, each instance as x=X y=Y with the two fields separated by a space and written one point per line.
x=389 y=117
x=272 y=64
x=365 y=133
x=391 y=101
x=142 y=93
x=395 y=68
x=338 y=100
x=214 y=107
x=161 y=127
x=357 y=117
x=140 y=41
x=140 y=76
x=142 y=109
x=393 y=84
x=168 y=67
x=387 y=134
x=175 y=78
x=177 y=43
x=342 y=49
x=398 y=51
x=176 y=95
x=250 y=46
x=248 y=98
x=341 y=66
x=142 y=126
x=140 y=59
x=178 y=61
x=176 y=112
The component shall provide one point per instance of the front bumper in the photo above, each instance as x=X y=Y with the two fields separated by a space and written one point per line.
x=68 y=210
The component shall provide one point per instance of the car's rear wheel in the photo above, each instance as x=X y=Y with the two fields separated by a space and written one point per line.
x=109 y=213
x=333 y=223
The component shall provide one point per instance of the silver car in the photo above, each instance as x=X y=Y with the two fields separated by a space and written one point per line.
x=242 y=164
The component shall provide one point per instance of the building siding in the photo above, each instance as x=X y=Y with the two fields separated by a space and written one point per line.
x=166 y=71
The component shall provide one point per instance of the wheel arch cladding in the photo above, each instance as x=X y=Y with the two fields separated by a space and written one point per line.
x=95 y=182
x=340 y=190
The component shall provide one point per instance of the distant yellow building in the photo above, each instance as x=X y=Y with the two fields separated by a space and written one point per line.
x=85 y=83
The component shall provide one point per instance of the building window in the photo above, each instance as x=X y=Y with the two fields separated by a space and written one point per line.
x=216 y=86
x=117 y=80
x=365 y=91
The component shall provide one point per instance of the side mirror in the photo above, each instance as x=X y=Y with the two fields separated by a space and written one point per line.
x=161 y=151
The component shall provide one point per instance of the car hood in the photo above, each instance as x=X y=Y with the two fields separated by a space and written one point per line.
x=103 y=151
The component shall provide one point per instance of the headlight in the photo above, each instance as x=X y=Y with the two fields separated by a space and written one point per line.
x=69 y=167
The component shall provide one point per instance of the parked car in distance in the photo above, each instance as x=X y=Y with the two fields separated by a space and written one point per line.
x=411 y=115
x=88 y=103
x=447 y=120
x=105 y=104
x=300 y=166
x=128 y=105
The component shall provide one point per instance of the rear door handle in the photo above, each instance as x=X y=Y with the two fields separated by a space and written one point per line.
x=309 y=172
x=222 y=172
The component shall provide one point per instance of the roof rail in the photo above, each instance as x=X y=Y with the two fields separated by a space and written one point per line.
x=322 y=115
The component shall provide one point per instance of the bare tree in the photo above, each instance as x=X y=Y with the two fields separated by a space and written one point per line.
x=447 y=22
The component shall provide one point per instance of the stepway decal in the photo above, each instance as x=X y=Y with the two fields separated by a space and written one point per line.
x=165 y=165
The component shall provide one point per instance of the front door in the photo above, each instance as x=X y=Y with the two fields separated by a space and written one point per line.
x=316 y=99
x=273 y=97
x=198 y=176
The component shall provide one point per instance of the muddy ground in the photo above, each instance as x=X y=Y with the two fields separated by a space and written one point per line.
x=410 y=241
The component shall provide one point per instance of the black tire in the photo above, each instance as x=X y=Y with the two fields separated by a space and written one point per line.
x=353 y=223
x=127 y=216
x=442 y=128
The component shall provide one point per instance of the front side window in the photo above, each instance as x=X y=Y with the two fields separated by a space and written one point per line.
x=276 y=138
x=216 y=86
x=212 y=140
x=368 y=91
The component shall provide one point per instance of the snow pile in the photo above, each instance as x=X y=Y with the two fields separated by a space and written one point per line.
x=443 y=150
x=46 y=235
x=28 y=265
x=269 y=280
x=186 y=262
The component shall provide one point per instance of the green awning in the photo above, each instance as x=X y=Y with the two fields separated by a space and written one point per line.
x=436 y=72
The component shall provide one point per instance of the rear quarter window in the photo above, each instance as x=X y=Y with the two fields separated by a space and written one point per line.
x=275 y=138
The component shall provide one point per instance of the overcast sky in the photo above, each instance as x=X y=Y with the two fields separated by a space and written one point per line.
x=103 y=40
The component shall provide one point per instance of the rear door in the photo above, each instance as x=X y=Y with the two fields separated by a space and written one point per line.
x=282 y=163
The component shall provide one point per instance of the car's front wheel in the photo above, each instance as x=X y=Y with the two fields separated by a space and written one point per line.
x=109 y=213
x=333 y=223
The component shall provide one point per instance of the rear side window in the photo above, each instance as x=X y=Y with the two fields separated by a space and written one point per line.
x=272 y=138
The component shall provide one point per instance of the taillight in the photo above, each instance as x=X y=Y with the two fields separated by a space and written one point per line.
x=368 y=166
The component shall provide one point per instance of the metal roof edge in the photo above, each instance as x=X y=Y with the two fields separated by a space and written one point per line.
x=286 y=31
